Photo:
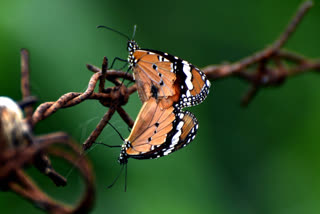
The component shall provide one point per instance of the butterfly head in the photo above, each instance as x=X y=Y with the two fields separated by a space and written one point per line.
x=123 y=159
x=132 y=47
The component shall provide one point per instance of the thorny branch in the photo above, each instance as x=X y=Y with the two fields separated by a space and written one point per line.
x=19 y=182
x=269 y=67
x=26 y=149
x=266 y=73
x=112 y=97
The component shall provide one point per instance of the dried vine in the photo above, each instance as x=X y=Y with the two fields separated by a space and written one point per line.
x=34 y=150
x=265 y=73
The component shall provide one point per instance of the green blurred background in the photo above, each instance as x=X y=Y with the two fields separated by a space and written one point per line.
x=260 y=159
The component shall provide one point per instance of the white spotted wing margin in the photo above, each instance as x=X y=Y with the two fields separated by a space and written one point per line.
x=184 y=131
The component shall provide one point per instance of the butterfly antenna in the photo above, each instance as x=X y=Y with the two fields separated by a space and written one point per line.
x=118 y=32
x=116 y=131
x=115 y=180
x=134 y=31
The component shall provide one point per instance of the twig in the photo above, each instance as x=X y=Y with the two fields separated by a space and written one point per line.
x=97 y=131
x=272 y=75
x=25 y=86
x=25 y=150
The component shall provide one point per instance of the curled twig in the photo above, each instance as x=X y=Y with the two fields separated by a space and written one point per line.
x=19 y=148
x=112 y=97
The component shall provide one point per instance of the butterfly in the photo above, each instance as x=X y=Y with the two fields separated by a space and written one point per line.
x=165 y=85
x=167 y=78
x=158 y=131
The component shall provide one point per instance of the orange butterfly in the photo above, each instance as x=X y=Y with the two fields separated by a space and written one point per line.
x=158 y=131
x=167 y=78
x=165 y=84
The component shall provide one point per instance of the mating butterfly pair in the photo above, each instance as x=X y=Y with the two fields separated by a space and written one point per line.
x=165 y=85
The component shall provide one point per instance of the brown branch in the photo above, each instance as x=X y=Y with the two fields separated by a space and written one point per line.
x=25 y=86
x=103 y=75
x=97 y=131
x=23 y=185
x=12 y=176
x=125 y=117
x=112 y=97
x=112 y=74
x=26 y=150
x=71 y=98
x=274 y=73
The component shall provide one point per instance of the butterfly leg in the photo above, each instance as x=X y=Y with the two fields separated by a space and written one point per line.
x=110 y=146
x=117 y=58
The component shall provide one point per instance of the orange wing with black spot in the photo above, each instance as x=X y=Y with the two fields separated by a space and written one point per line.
x=158 y=131
x=161 y=75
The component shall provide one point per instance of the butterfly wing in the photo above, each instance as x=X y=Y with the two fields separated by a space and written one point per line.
x=154 y=75
x=158 y=131
x=161 y=75
x=185 y=131
x=193 y=83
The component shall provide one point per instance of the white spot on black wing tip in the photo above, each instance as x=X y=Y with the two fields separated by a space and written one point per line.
x=208 y=83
